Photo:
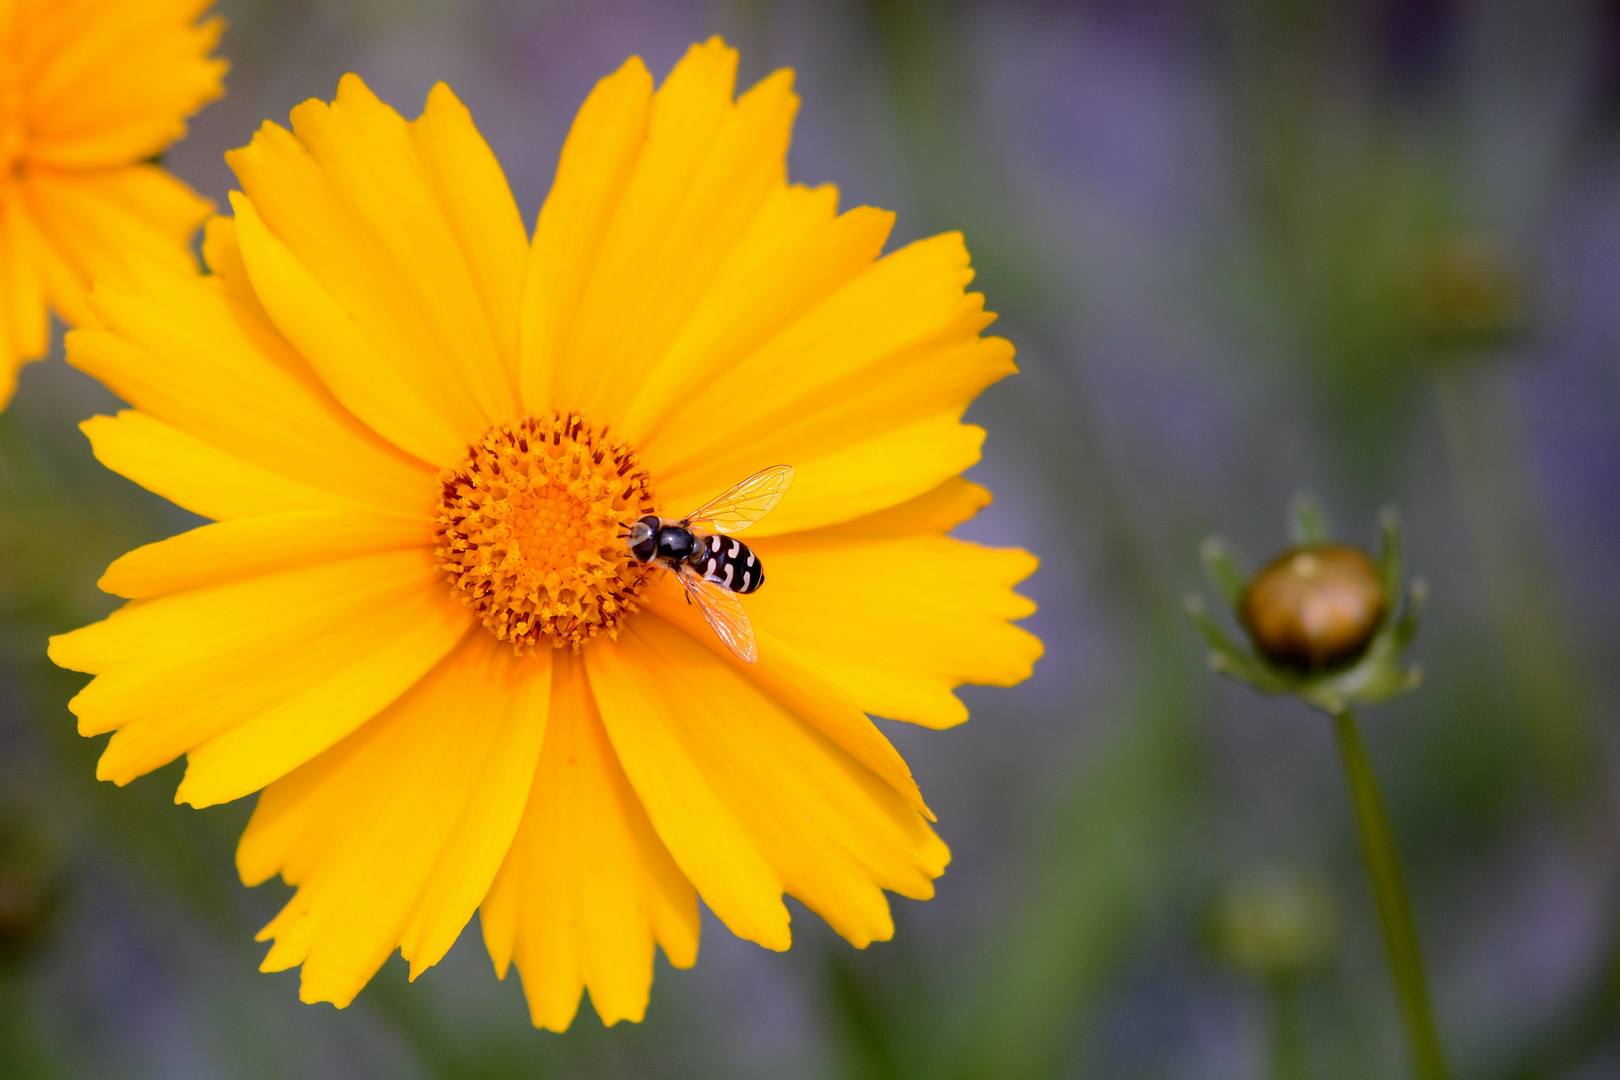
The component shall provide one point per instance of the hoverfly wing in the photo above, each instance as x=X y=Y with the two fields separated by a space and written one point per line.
x=725 y=614
x=746 y=503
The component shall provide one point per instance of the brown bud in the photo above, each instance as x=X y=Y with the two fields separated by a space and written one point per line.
x=1314 y=607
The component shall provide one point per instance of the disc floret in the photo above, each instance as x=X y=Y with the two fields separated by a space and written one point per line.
x=530 y=531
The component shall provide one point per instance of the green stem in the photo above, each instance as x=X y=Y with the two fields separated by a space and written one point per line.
x=1490 y=454
x=1289 y=1057
x=1394 y=909
x=21 y=1055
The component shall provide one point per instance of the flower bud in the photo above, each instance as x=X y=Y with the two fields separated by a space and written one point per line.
x=1314 y=607
x=1275 y=921
x=1468 y=293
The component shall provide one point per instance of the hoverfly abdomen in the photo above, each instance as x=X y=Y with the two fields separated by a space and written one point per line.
x=728 y=562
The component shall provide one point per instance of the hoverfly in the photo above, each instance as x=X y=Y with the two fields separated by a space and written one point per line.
x=713 y=566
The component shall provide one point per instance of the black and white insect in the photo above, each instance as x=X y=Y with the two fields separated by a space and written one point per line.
x=707 y=558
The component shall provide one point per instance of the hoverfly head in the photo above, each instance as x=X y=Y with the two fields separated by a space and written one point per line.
x=643 y=539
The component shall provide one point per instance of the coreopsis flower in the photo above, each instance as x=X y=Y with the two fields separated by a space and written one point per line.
x=90 y=90
x=417 y=624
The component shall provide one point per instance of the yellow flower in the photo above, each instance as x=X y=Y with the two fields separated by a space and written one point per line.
x=89 y=91
x=416 y=624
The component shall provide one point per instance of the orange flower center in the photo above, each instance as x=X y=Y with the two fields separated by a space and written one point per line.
x=530 y=531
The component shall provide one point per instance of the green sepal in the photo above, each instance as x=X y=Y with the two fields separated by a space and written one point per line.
x=1228 y=578
x=1406 y=626
x=1391 y=552
x=1232 y=660
x=1307 y=524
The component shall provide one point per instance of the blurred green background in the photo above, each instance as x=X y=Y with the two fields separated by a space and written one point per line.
x=1245 y=247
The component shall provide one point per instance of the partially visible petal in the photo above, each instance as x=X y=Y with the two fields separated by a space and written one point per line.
x=472 y=188
x=708 y=841
x=864 y=475
x=394 y=835
x=254 y=678
x=222 y=252
x=194 y=475
x=895 y=350
x=93 y=220
x=63 y=288
x=601 y=151
x=936 y=511
x=24 y=323
x=588 y=890
x=751 y=799
x=939 y=620
x=185 y=350
x=232 y=550
x=708 y=167
x=796 y=253
x=844 y=394
x=113 y=82
x=360 y=262
x=786 y=676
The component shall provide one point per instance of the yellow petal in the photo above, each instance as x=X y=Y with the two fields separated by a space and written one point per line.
x=939 y=621
x=222 y=252
x=935 y=511
x=596 y=162
x=61 y=284
x=360 y=263
x=394 y=835
x=588 y=889
x=92 y=220
x=231 y=550
x=797 y=252
x=24 y=324
x=111 y=82
x=182 y=349
x=801 y=688
x=856 y=479
x=471 y=187
x=707 y=169
x=187 y=471
x=866 y=336
x=894 y=351
x=253 y=678
x=710 y=845
x=750 y=798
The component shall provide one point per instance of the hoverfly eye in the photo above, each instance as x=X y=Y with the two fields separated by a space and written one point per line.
x=642 y=539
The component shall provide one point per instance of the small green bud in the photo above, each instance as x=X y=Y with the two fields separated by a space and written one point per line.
x=1314 y=608
x=1275 y=922
x=1467 y=293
